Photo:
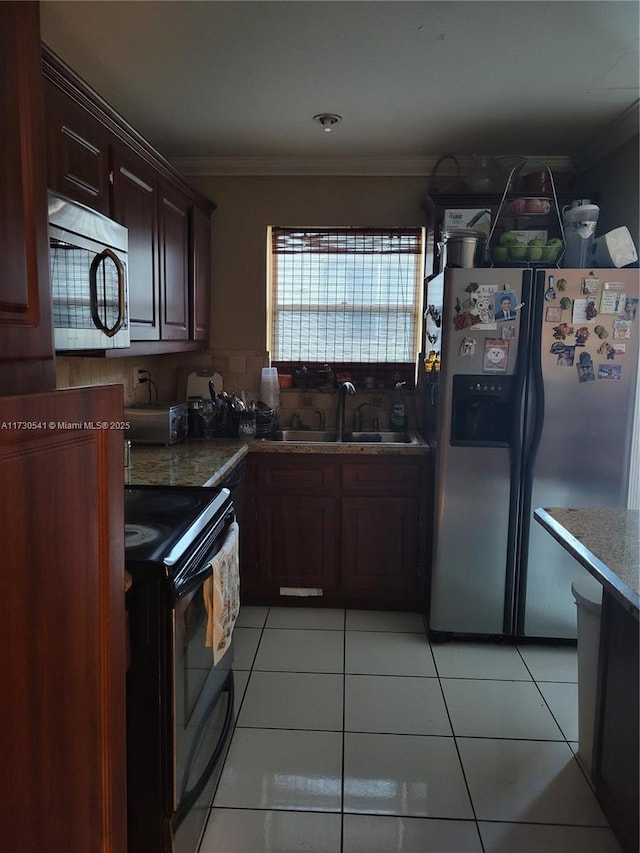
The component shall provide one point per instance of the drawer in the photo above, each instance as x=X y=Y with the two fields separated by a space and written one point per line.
x=382 y=478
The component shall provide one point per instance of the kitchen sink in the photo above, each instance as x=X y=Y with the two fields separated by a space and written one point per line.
x=322 y=437
x=379 y=438
x=307 y=435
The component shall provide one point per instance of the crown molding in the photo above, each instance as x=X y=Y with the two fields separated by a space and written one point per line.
x=623 y=128
x=340 y=166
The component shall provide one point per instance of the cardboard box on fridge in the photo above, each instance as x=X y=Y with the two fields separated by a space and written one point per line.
x=467 y=219
x=526 y=236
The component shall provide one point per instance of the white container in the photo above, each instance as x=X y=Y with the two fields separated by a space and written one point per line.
x=269 y=387
x=579 y=221
x=588 y=596
x=614 y=249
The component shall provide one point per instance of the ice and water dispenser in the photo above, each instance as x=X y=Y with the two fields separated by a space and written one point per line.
x=481 y=411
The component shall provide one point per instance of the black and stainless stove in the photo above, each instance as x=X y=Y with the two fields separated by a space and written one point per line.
x=179 y=705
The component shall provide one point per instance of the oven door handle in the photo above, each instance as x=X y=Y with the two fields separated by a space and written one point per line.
x=191 y=797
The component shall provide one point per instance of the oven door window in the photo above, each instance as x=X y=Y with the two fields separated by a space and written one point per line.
x=200 y=697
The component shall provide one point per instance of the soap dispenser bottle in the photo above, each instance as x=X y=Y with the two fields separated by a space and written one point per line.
x=398 y=419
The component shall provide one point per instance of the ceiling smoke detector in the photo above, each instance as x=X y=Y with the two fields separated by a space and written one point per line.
x=327 y=120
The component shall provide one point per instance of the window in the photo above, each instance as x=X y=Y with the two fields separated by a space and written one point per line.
x=345 y=295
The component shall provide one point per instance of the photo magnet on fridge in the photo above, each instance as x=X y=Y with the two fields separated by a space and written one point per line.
x=585 y=368
x=505 y=306
x=467 y=348
x=630 y=309
x=496 y=355
x=612 y=301
x=609 y=371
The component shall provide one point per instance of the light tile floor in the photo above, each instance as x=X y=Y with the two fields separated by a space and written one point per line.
x=355 y=735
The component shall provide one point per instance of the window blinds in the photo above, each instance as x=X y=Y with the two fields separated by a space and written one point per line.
x=345 y=294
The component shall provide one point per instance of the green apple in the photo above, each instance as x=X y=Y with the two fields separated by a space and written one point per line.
x=518 y=252
x=535 y=253
x=507 y=238
x=555 y=241
x=550 y=253
x=536 y=242
x=500 y=254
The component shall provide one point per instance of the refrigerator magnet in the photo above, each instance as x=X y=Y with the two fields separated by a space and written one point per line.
x=508 y=333
x=582 y=336
x=585 y=368
x=505 y=306
x=589 y=285
x=584 y=310
x=565 y=303
x=621 y=330
x=496 y=355
x=467 y=348
x=630 y=309
x=562 y=331
x=566 y=357
x=607 y=350
x=609 y=371
x=601 y=332
x=612 y=301
x=553 y=314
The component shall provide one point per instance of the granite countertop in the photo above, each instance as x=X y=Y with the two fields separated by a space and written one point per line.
x=193 y=462
x=606 y=542
x=331 y=447
x=207 y=462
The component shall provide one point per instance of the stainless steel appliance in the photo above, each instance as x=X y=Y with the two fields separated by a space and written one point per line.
x=88 y=268
x=179 y=705
x=156 y=423
x=532 y=410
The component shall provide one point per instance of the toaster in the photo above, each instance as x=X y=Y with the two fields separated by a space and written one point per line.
x=156 y=423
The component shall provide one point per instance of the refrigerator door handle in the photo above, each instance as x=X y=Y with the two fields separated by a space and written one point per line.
x=516 y=443
x=535 y=416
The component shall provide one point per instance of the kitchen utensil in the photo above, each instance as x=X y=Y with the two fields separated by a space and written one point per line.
x=446 y=183
x=462 y=249
x=198 y=382
x=579 y=221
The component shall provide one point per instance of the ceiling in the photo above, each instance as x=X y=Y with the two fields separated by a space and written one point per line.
x=223 y=87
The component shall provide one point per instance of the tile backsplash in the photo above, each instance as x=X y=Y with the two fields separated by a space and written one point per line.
x=240 y=370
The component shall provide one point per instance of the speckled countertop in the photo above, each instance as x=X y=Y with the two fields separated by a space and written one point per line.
x=195 y=462
x=364 y=449
x=606 y=542
x=207 y=462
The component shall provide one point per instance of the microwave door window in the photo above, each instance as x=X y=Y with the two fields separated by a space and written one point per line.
x=88 y=295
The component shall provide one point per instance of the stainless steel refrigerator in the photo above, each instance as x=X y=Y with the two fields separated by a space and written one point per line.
x=532 y=407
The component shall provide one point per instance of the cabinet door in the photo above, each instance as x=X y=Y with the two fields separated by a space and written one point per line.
x=380 y=550
x=62 y=655
x=200 y=290
x=297 y=542
x=174 y=265
x=135 y=205
x=26 y=341
x=77 y=151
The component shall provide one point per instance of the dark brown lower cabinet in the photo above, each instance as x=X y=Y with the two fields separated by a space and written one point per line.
x=62 y=623
x=347 y=530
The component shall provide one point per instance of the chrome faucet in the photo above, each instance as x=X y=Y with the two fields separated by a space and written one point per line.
x=357 y=417
x=345 y=388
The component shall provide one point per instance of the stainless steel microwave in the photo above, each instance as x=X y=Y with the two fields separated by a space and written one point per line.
x=88 y=267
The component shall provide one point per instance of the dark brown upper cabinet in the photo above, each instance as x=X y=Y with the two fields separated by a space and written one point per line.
x=26 y=342
x=94 y=156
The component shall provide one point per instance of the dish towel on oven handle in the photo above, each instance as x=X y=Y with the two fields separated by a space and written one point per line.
x=221 y=593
